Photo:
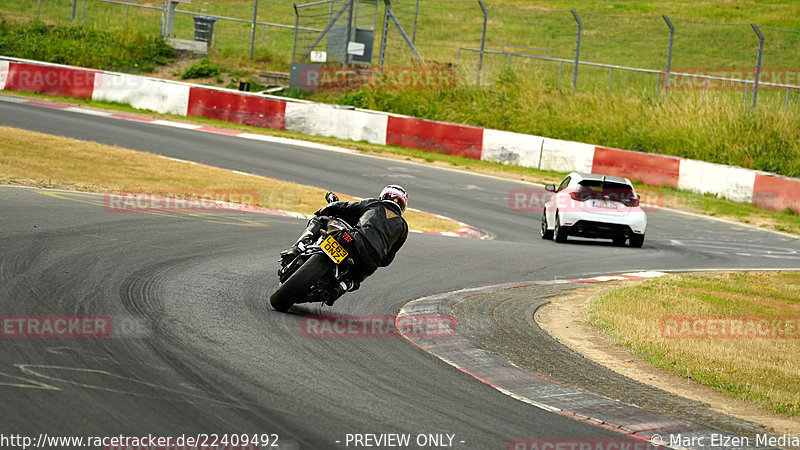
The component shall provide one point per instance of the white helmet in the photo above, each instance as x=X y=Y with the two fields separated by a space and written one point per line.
x=396 y=194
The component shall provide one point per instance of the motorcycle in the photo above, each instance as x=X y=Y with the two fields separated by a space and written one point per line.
x=315 y=274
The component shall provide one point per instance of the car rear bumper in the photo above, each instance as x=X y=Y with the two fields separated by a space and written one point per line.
x=604 y=225
x=585 y=228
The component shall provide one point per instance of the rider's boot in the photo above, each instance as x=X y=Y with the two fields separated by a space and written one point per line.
x=345 y=285
x=294 y=251
x=307 y=238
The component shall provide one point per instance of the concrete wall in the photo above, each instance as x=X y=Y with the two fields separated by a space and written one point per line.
x=735 y=183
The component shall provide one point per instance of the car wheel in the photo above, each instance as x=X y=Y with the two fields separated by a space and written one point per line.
x=545 y=233
x=619 y=240
x=637 y=240
x=559 y=232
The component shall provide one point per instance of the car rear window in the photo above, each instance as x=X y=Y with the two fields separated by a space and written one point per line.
x=599 y=189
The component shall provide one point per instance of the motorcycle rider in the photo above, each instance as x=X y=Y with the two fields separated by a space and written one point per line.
x=380 y=232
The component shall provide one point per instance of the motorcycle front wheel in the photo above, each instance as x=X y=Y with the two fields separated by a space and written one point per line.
x=299 y=284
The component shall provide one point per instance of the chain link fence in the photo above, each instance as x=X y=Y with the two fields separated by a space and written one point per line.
x=379 y=32
x=267 y=38
x=637 y=53
x=336 y=31
x=653 y=54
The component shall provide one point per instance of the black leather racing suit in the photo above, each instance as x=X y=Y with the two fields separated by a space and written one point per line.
x=381 y=231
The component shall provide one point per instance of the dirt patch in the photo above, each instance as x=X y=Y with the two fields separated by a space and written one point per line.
x=565 y=320
x=187 y=59
x=173 y=70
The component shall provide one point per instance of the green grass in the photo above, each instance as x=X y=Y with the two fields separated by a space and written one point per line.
x=763 y=371
x=84 y=46
x=43 y=160
x=534 y=96
x=715 y=129
x=617 y=31
x=787 y=221
x=201 y=69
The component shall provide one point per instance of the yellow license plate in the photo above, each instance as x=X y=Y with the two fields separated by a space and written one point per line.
x=333 y=250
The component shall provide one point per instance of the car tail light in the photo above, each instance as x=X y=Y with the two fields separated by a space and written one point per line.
x=633 y=201
x=576 y=196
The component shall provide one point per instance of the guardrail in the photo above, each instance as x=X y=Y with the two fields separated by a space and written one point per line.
x=165 y=96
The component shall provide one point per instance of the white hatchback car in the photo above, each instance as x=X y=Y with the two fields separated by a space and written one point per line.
x=594 y=206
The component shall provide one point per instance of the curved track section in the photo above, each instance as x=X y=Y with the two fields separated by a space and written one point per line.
x=498 y=342
x=201 y=351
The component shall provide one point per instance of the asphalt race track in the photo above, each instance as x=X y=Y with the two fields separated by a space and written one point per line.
x=204 y=353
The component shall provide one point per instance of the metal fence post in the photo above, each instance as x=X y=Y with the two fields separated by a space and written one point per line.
x=83 y=13
x=483 y=39
x=74 y=10
x=384 y=33
x=296 y=28
x=349 y=33
x=758 y=62
x=375 y=20
x=577 y=50
x=669 y=53
x=327 y=29
x=163 y=16
x=253 y=28
x=786 y=104
x=39 y=10
x=404 y=35
x=416 y=21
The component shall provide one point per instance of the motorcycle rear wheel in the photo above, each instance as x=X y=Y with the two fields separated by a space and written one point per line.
x=299 y=284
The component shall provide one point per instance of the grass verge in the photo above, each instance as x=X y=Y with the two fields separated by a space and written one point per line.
x=761 y=370
x=128 y=51
x=623 y=111
x=718 y=129
x=786 y=221
x=43 y=160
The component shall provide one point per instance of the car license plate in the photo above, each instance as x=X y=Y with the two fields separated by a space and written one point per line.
x=603 y=204
x=333 y=250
